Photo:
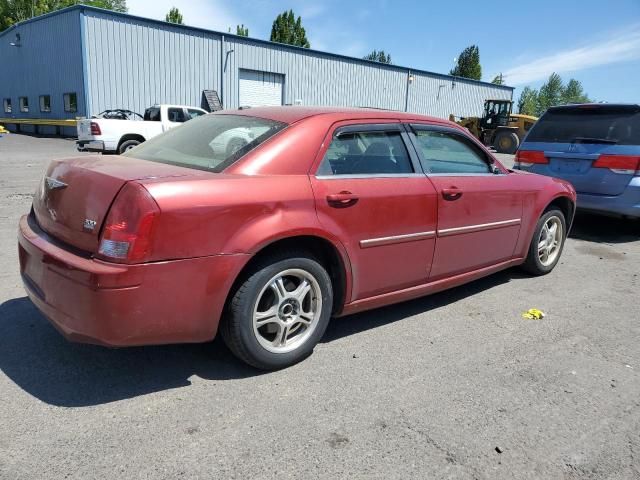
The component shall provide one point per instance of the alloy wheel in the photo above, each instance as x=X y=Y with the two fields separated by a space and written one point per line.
x=287 y=310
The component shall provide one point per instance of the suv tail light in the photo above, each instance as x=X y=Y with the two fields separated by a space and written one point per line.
x=625 y=164
x=526 y=158
x=128 y=229
x=95 y=129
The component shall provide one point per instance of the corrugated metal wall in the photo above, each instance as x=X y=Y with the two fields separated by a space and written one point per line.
x=48 y=62
x=313 y=78
x=133 y=64
x=441 y=95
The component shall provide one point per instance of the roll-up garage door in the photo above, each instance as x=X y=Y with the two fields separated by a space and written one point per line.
x=260 y=88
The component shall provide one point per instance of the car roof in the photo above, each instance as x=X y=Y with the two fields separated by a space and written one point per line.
x=590 y=106
x=292 y=114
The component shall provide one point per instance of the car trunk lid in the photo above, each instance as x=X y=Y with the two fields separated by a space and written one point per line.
x=75 y=194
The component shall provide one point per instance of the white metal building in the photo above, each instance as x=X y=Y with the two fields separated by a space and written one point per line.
x=82 y=60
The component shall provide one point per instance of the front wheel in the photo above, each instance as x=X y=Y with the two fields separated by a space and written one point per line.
x=279 y=312
x=547 y=243
x=506 y=142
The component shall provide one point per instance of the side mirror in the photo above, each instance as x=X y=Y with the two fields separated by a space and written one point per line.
x=494 y=169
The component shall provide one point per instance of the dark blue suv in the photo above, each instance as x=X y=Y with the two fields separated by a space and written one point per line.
x=596 y=147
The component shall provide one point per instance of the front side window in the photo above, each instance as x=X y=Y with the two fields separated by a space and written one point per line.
x=193 y=113
x=24 y=104
x=45 y=103
x=70 y=102
x=209 y=142
x=449 y=153
x=7 y=105
x=372 y=152
x=176 y=115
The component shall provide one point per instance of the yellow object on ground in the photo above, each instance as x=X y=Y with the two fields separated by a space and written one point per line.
x=3 y=130
x=533 y=314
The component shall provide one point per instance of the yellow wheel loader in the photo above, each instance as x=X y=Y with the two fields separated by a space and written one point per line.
x=498 y=127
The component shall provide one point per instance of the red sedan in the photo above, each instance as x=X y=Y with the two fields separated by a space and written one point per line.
x=266 y=222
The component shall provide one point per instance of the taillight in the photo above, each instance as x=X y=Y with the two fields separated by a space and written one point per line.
x=95 y=129
x=626 y=164
x=526 y=158
x=127 y=233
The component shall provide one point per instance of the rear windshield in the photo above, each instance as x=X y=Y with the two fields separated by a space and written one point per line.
x=593 y=124
x=209 y=142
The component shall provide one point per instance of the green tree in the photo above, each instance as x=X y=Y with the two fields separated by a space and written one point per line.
x=468 y=64
x=528 y=101
x=574 y=93
x=14 y=11
x=242 y=30
x=378 y=56
x=286 y=29
x=498 y=79
x=550 y=93
x=174 y=16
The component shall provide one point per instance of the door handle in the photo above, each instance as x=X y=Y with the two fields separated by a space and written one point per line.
x=343 y=199
x=451 y=194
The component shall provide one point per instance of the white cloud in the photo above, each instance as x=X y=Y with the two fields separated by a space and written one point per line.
x=618 y=47
x=210 y=14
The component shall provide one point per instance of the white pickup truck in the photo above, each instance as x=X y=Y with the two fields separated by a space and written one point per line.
x=116 y=131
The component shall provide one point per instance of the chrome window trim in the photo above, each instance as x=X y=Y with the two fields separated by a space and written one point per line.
x=477 y=228
x=408 y=237
x=369 y=175
x=489 y=174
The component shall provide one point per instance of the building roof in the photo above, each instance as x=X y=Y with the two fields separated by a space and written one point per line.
x=88 y=8
x=294 y=113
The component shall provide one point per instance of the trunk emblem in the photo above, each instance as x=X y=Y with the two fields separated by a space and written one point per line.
x=89 y=224
x=53 y=184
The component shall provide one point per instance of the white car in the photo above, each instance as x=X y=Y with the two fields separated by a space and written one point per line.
x=118 y=134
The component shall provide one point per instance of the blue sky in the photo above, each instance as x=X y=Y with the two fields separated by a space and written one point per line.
x=594 y=41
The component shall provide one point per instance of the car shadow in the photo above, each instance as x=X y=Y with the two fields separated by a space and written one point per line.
x=41 y=362
x=603 y=229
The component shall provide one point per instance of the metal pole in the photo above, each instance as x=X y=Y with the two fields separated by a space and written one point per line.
x=406 y=95
x=222 y=71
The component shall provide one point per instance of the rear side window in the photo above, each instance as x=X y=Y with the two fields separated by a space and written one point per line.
x=152 y=114
x=592 y=124
x=449 y=153
x=209 y=142
x=366 y=153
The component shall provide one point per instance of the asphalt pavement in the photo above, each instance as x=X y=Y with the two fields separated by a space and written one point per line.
x=455 y=385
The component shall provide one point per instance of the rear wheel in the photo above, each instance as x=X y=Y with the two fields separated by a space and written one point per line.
x=128 y=145
x=280 y=311
x=506 y=142
x=547 y=243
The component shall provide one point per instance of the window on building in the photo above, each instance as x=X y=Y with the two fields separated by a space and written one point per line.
x=70 y=102
x=7 y=105
x=366 y=153
x=24 y=104
x=45 y=103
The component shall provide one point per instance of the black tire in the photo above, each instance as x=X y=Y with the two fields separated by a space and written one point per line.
x=237 y=327
x=128 y=144
x=506 y=142
x=533 y=264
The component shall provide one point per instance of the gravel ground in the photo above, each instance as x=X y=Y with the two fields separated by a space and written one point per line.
x=456 y=385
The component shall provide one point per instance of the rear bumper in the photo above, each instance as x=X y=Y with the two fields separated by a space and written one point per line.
x=92 y=301
x=96 y=146
x=627 y=203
